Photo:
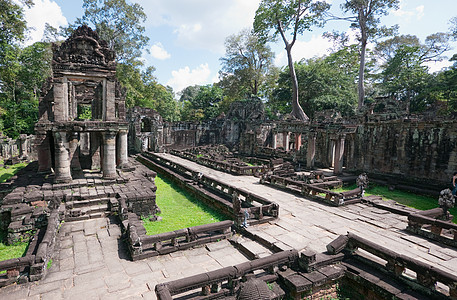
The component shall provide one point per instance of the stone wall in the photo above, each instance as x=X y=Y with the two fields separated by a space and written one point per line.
x=418 y=149
x=22 y=147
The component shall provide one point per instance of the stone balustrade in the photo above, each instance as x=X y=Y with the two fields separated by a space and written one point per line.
x=316 y=191
x=428 y=225
x=225 y=281
x=224 y=166
x=239 y=204
x=33 y=266
x=426 y=276
x=142 y=245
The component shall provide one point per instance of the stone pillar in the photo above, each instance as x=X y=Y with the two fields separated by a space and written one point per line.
x=311 y=151
x=23 y=146
x=62 y=158
x=74 y=151
x=122 y=151
x=95 y=141
x=275 y=141
x=110 y=108
x=44 y=152
x=109 y=155
x=338 y=158
x=285 y=141
x=297 y=141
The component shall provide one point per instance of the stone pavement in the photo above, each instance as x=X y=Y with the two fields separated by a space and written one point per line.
x=310 y=224
x=91 y=261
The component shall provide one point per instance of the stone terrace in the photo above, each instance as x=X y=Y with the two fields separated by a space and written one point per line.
x=93 y=261
x=305 y=223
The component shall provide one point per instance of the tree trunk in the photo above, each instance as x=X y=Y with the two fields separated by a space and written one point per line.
x=297 y=110
x=362 y=75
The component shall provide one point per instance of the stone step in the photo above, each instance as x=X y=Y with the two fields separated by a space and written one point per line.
x=87 y=212
x=86 y=202
x=87 y=217
x=250 y=248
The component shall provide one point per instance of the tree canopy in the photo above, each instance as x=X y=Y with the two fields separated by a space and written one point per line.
x=246 y=65
x=118 y=23
x=282 y=17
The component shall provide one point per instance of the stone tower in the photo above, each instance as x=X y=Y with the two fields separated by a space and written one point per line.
x=82 y=122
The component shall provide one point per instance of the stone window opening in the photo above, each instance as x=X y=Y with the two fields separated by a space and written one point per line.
x=84 y=112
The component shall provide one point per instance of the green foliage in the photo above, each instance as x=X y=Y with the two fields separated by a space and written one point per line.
x=118 y=23
x=366 y=19
x=404 y=75
x=12 y=23
x=11 y=251
x=142 y=89
x=179 y=209
x=421 y=202
x=207 y=104
x=329 y=81
x=282 y=17
x=246 y=65
x=84 y=112
x=7 y=173
x=22 y=73
x=49 y=264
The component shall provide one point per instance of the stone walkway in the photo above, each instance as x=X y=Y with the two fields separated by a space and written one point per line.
x=91 y=261
x=309 y=224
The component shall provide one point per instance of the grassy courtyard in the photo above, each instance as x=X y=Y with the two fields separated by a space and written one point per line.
x=11 y=251
x=421 y=202
x=179 y=209
x=7 y=173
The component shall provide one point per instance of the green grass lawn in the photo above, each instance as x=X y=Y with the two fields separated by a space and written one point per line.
x=179 y=209
x=19 y=249
x=421 y=202
x=6 y=174
x=11 y=251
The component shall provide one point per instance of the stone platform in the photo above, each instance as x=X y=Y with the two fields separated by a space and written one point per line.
x=93 y=262
x=305 y=223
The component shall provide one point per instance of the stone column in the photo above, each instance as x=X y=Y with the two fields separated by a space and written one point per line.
x=44 y=152
x=285 y=141
x=275 y=141
x=23 y=148
x=109 y=155
x=95 y=141
x=122 y=151
x=74 y=151
x=311 y=151
x=297 y=141
x=338 y=158
x=62 y=158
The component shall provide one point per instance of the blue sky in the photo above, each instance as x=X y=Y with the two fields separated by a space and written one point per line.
x=187 y=36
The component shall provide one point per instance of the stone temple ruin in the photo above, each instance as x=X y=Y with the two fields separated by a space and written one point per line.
x=82 y=111
x=288 y=234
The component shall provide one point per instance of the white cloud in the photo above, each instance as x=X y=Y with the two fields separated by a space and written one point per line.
x=317 y=46
x=185 y=77
x=202 y=24
x=159 y=52
x=44 y=11
x=404 y=13
x=439 y=65
x=420 y=12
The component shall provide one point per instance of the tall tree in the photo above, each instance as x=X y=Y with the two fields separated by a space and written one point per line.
x=246 y=64
x=329 y=80
x=118 y=23
x=205 y=105
x=404 y=73
x=294 y=17
x=366 y=19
